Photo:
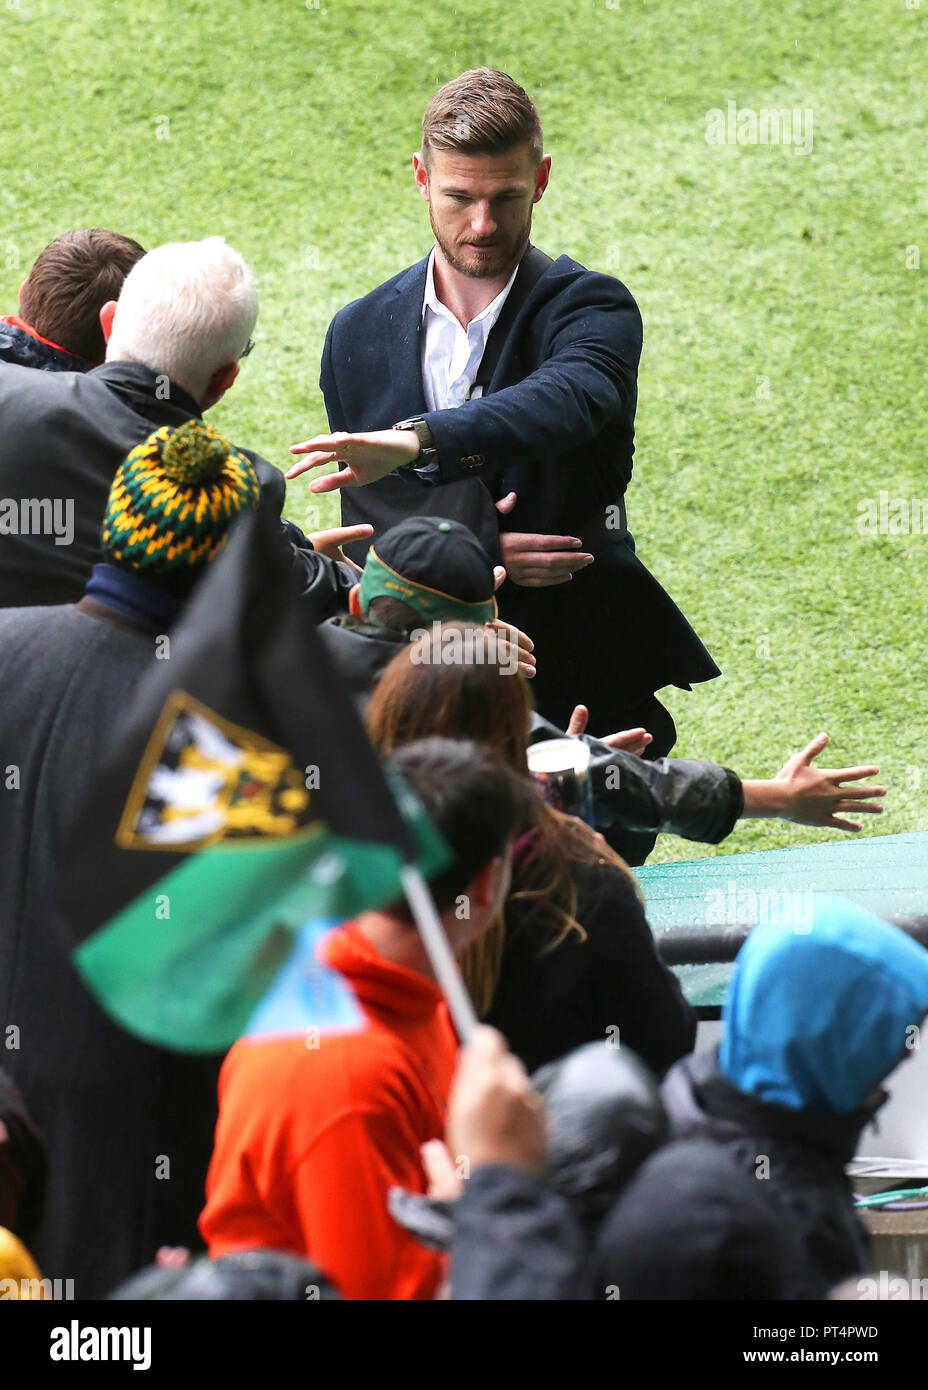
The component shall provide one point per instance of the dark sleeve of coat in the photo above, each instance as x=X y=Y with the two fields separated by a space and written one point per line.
x=673 y=796
x=588 y=379
x=324 y=583
x=514 y=1239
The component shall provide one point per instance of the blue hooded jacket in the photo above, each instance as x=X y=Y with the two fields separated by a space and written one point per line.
x=815 y=1018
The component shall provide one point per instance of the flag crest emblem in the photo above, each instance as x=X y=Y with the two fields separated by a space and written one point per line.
x=203 y=779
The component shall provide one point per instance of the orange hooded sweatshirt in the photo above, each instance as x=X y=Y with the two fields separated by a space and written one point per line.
x=310 y=1138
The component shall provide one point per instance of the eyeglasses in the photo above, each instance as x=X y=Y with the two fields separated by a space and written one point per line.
x=249 y=347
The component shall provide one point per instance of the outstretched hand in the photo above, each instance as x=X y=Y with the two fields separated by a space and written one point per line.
x=363 y=458
x=816 y=795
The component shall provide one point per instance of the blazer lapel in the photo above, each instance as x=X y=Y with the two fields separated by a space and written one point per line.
x=405 y=354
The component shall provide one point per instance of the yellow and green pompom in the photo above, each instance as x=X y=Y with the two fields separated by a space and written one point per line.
x=195 y=453
x=173 y=500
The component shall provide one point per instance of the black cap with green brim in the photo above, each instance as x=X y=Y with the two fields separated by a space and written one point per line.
x=435 y=565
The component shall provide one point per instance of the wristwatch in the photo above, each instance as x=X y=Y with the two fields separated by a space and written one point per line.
x=427 y=454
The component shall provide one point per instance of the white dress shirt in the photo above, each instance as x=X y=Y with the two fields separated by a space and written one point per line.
x=451 y=354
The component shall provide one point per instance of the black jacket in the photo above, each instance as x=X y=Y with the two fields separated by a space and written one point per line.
x=689 y=1226
x=692 y=1224
x=803 y=1153
x=611 y=987
x=361 y=652
x=556 y=427
x=748 y=1201
x=25 y=350
x=244 y=1276
x=23 y=1164
x=62 y=437
x=128 y=1127
x=515 y=1239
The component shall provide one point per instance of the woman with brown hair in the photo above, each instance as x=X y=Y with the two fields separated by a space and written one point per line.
x=573 y=959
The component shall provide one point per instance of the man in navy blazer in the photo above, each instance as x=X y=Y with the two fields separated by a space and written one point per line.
x=495 y=386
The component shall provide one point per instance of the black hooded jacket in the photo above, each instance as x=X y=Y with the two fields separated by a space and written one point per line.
x=64 y=436
x=748 y=1201
x=690 y=1225
x=796 y=1158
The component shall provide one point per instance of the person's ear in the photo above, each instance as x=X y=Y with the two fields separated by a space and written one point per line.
x=218 y=384
x=542 y=177
x=106 y=317
x=486 y=888
x=354 y=601
x=19 y=292
x=421 y=174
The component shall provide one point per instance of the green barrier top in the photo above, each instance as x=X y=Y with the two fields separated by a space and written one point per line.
x=886 y=874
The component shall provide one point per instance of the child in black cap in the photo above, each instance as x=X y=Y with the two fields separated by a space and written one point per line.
x=425 y=570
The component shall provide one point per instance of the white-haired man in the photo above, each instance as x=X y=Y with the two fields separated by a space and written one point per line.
x=175 y=339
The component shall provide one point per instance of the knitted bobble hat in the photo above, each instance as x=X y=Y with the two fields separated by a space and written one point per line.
x=173 y=501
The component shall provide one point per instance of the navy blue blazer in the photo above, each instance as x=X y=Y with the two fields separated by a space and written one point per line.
x=555 y=426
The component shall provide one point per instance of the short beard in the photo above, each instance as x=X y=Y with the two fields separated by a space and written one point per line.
x=484 y=270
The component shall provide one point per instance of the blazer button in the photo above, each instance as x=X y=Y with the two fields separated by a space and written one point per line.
x=472 y=461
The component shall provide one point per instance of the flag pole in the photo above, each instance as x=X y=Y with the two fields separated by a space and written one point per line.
x=445 y=967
